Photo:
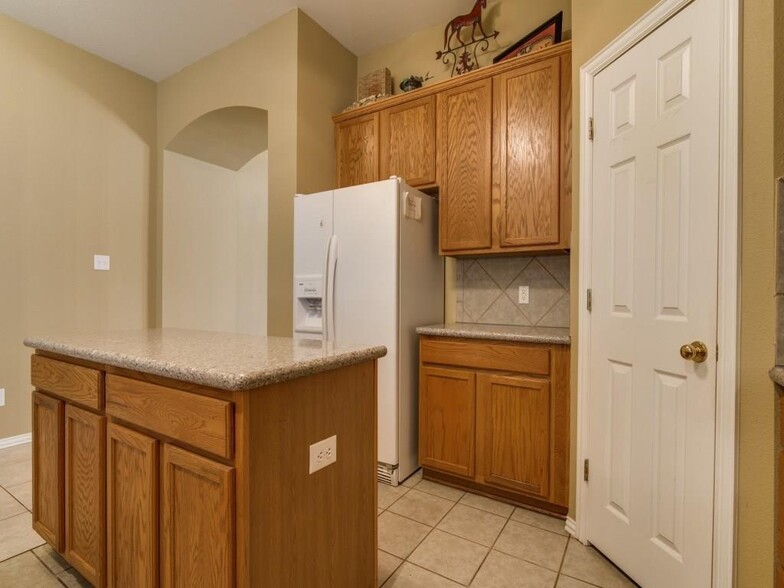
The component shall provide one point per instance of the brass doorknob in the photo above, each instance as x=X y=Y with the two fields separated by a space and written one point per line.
x=696 y=351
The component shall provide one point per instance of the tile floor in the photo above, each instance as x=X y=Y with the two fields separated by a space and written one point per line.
x=430 y=536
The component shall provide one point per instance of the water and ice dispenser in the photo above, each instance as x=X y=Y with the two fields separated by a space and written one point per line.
x=309 y=308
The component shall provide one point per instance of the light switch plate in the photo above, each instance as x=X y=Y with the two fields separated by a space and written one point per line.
x=522 y=295
x=323 y=453
x=101 y=263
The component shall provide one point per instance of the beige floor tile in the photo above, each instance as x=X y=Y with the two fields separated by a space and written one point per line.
x=449 y=556
x=398 y=535
x=469 y=523
x=23 y=493
x=16 y=454
x=531 y=544
x=567 y=582
x=51 y=559
x=387 y=564
x=25 y=570
x=413 y=479
x=504 y=571
x=447 y=492
x=422 y=507
x=9 y=506
x=15 y=473
x=388 y=494
x=73 y=579
x=587 y=564
x=17 y=536
x=411 y=576
x=542 y=521
x=380 y=510
x=487 y=504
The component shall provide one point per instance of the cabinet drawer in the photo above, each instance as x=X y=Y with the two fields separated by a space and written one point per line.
x=199 y=421
x=487 y=355
x=73 y=383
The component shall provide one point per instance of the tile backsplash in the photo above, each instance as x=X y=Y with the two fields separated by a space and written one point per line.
x=487 y=290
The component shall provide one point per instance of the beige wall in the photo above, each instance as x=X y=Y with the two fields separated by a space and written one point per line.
x=215 y=245
x=263 y=70
x=77 y=144
x=416 y=55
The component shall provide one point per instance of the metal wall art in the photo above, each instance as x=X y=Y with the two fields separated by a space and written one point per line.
x=463 y=56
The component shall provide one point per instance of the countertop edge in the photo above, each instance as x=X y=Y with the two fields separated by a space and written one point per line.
x=214 y=378
x=457 y=333
x=777 y=375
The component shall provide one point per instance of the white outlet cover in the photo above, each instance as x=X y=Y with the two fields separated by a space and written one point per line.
x=2 y=396
x=323 y=453
x=522 y=295
x=101 y=263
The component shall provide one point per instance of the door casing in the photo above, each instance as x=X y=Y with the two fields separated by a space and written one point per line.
x=724 y=513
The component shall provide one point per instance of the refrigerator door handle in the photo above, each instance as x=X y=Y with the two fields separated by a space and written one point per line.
x=325 y=290
x=329 y=307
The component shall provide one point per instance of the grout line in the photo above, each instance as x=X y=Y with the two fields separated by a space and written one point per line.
x=489 y=551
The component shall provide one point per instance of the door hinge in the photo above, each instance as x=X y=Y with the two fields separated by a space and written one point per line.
x=590 y=128
x=717 y=352
x=585 y=470
x=589 y=303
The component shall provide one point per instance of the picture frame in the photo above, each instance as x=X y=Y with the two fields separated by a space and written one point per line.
x=545 y=35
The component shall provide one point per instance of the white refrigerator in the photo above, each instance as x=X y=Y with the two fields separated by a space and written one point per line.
x=367 y=271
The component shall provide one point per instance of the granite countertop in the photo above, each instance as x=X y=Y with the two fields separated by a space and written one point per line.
x=499 y=332
x=777 y=375
x=220 y=360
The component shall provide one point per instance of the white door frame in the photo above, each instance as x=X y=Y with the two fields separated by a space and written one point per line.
x=724 y=511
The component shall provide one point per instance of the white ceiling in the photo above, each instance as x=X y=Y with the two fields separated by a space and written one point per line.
x=157 y=38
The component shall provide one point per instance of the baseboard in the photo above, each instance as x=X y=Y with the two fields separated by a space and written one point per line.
x=18 y=440
x=571 y=526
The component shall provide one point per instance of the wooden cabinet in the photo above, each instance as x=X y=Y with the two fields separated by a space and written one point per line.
x=446 y=430
x=356 y=151
x=132 y=508
x=85 y=506
x=408 y=142
x=48 y=464
x=198 y=520
x=502 y=152
x=464 y=166
x=496 y=420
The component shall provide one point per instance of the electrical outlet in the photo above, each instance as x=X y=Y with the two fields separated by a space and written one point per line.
x=323 y=453
x=522 y=295
x=2 y=396
x=101 y=263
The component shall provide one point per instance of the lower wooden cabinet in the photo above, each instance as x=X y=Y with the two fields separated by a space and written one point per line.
x=48 y=460
x=85 y=487
x=494 y=418
x=132 y=476
x=197 y=504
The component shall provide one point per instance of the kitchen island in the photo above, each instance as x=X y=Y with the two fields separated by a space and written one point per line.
x=183 y=458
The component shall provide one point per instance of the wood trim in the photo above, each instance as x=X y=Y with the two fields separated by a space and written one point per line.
x=560 y=434
x=479 y=74
x=76 y=384
x=50 y=458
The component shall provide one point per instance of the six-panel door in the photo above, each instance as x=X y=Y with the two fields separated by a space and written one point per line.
x=197 y=511
x=513 y=420
x=48 y=516
x=408 y=142
x=446 y=420
x=356 y=151
x=85 y=505
x=132 y=510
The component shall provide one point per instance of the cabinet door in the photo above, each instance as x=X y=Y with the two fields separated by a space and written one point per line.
x=197 y=507
x=464 y=166
x=527 y=154
x=356 y=150
x=408 y=141
x=132 y=508
x=514 y=424
x=85 y=506
x=48 y=491
x=446 y=420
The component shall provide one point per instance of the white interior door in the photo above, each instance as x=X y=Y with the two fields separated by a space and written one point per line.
x=654 y=284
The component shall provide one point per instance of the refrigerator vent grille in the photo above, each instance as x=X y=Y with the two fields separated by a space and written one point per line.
x=387 y=475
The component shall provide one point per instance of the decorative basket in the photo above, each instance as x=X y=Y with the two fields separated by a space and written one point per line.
x=375 y=83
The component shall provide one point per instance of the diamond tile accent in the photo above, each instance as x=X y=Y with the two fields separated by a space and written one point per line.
x=504 y=269
x=503 y=312
x=544 y=291
x=480 y=291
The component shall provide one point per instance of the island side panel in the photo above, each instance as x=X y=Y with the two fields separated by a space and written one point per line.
x=312 y=529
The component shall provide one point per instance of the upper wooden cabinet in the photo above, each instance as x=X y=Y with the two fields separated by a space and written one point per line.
x=499 y=152
x=464 y=133
x=408 y=141
x=356 y=151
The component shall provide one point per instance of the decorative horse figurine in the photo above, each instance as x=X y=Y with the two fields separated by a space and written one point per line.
x=472 y=19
